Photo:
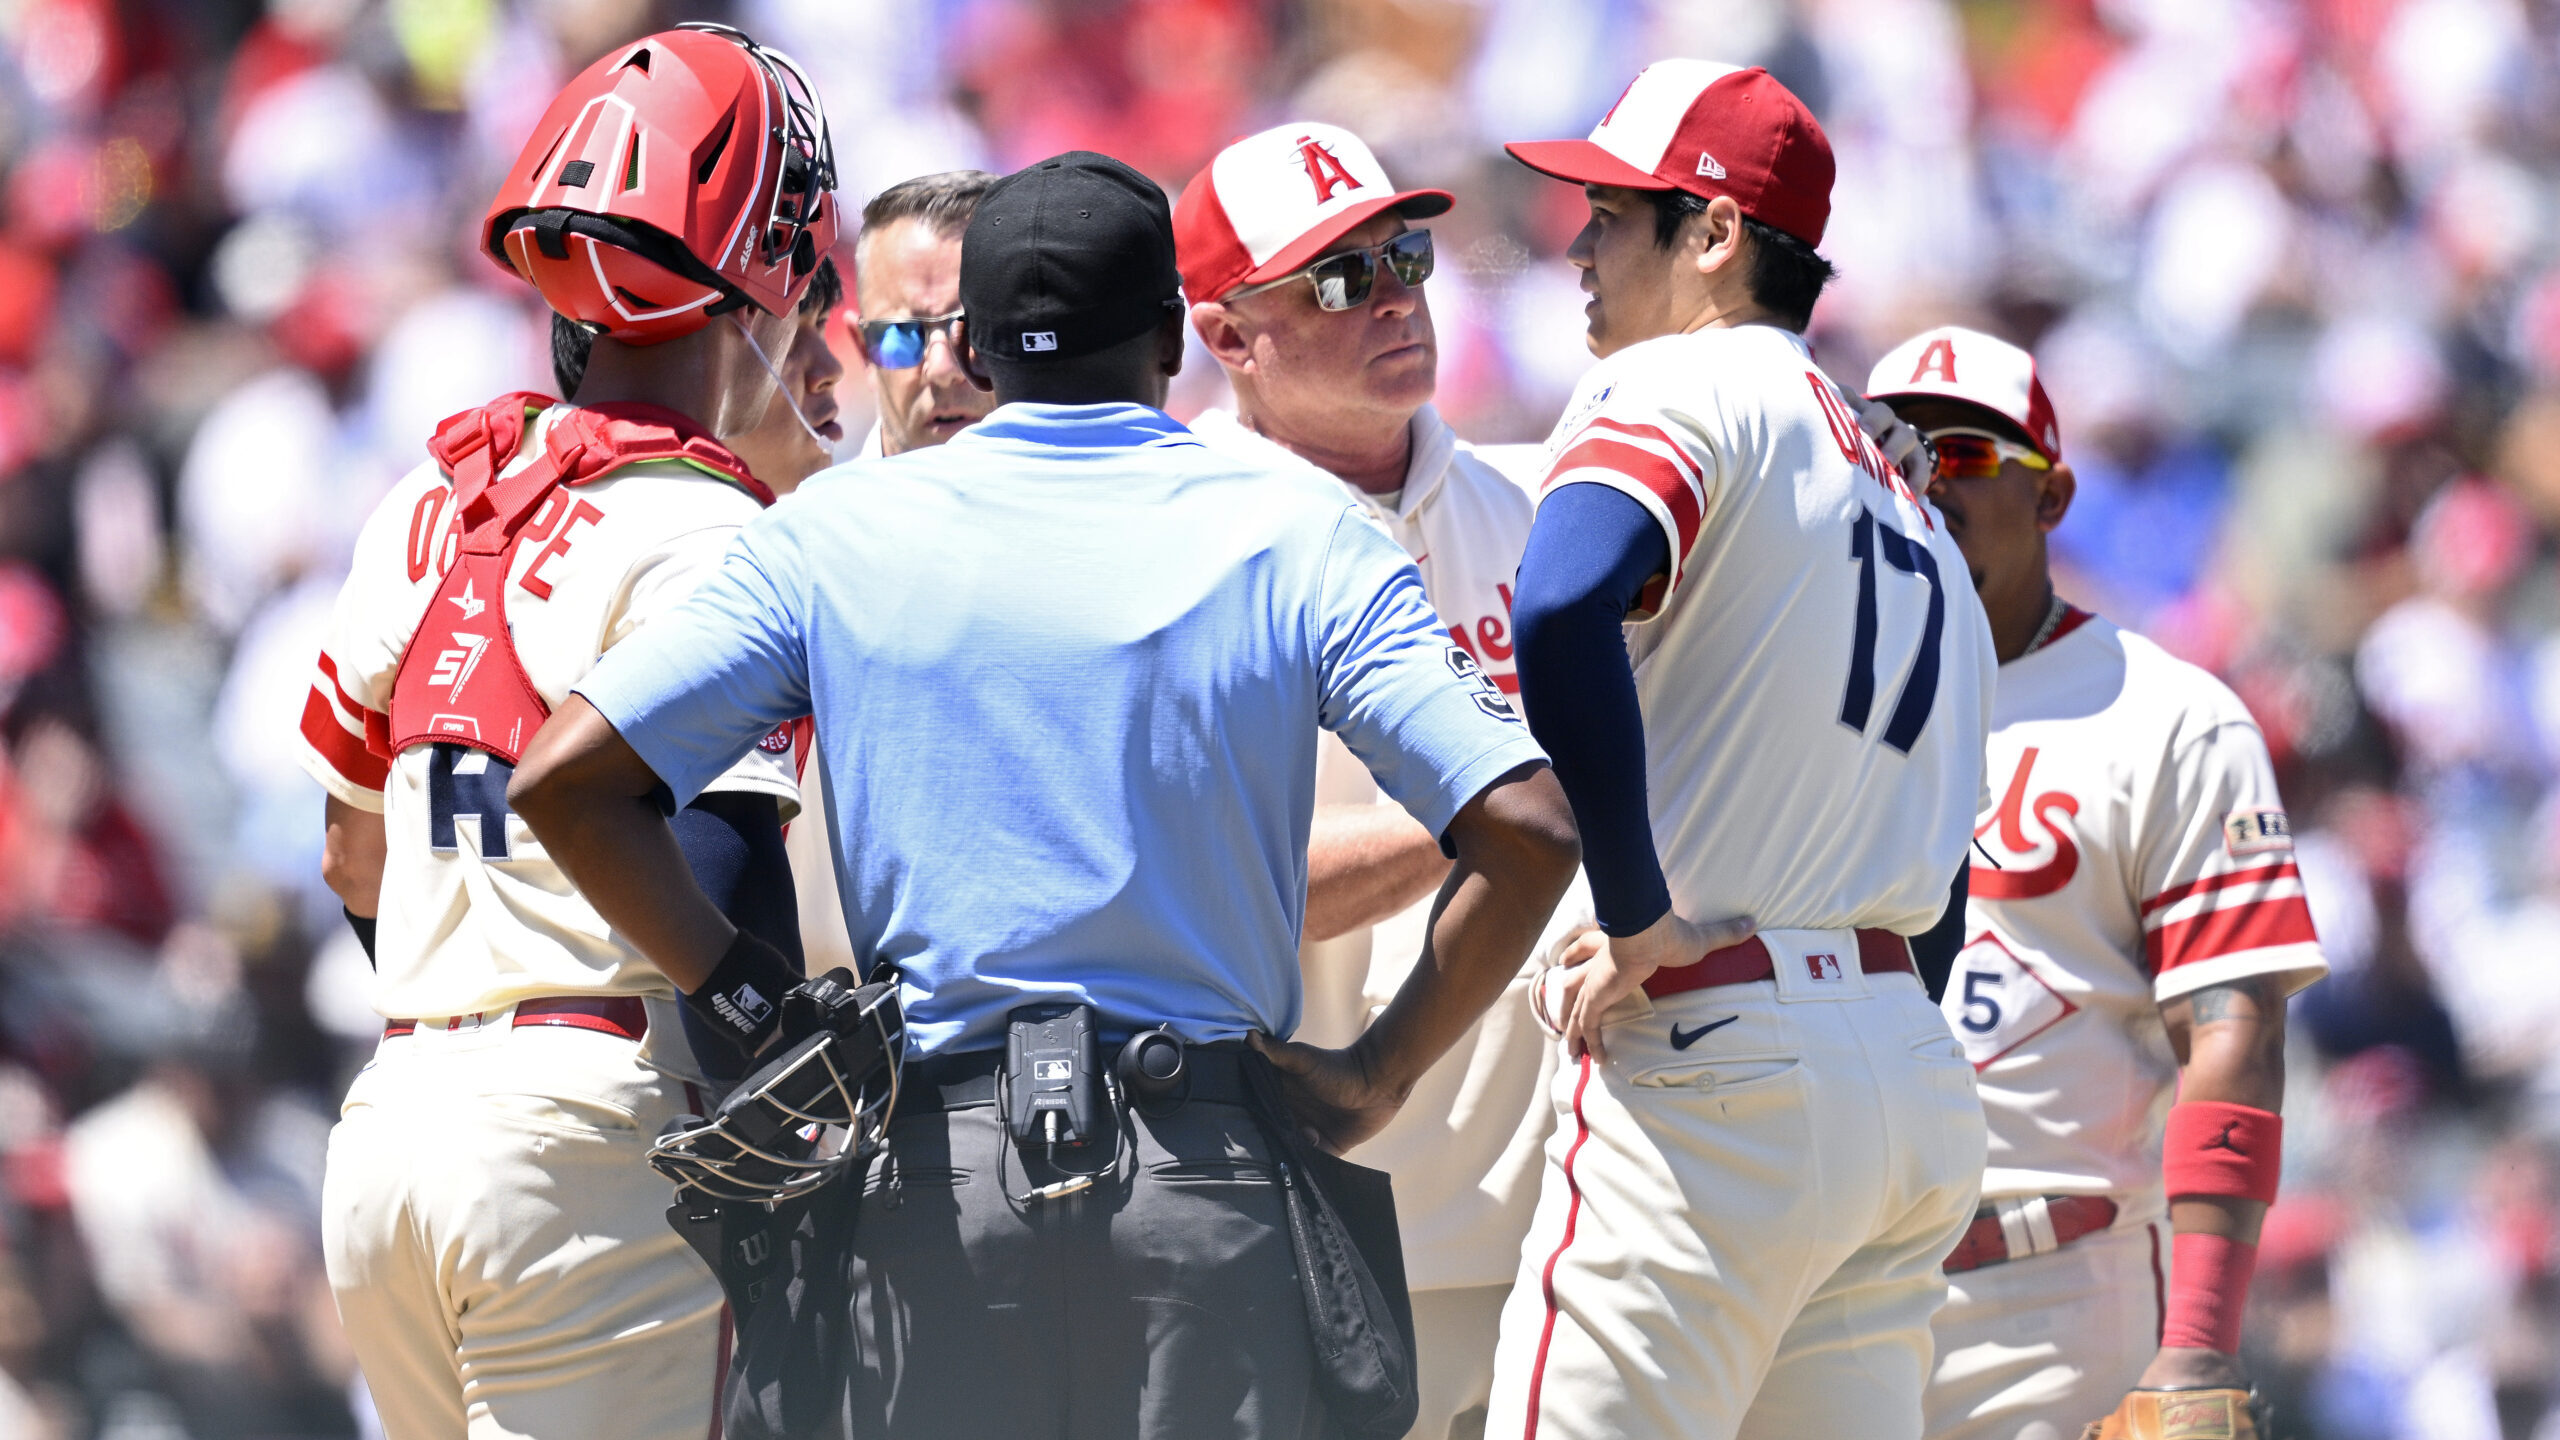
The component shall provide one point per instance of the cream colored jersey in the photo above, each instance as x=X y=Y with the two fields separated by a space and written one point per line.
x=2137 y=852
x=1465 y=1149
x=1815 y=676
x=474 y=916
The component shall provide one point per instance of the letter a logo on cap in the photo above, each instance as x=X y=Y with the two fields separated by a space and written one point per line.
x=1941 y=357
x=1324 y=169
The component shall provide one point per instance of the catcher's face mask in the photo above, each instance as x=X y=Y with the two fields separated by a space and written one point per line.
x=806 y=1116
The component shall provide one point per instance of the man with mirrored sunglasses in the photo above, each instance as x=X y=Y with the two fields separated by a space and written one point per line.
x=1344 y=279
x=1306 y=287
x=906 y=285
x=2134 y=925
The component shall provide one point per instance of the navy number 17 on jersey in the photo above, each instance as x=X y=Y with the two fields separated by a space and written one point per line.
x=1868 y=539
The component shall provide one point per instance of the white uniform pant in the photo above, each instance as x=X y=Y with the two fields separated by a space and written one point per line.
x=2035 y=1349
x=1454 y=1331
x=499 y=1246
x=1740 y=1236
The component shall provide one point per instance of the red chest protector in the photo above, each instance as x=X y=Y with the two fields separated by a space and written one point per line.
x=460 y=680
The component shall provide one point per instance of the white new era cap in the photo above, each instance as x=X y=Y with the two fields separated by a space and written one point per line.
x=1269 y=203
x=1954 y=363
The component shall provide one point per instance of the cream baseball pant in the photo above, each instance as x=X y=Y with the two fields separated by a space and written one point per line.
x=499 y=1246
x=1454 y=1332
x=2035 y=1349
x=1739 y=1235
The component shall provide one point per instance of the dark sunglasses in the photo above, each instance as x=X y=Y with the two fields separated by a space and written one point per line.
x=1343 y=281
x=900 y=344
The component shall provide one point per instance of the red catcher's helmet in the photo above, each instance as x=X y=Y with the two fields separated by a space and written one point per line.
x=679 y=177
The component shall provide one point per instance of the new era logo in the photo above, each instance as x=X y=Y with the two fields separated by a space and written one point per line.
x=1823 y=967
x=1039 y=340
x=1708 y=167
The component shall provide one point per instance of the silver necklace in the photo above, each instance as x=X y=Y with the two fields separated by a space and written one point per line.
x=2053 y=613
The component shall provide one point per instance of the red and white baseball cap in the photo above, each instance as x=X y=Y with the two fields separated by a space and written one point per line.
x=1269 y=203
x=1710 y=130
x=1953 y=363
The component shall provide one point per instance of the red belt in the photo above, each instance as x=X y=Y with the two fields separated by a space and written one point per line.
x=2066 y=1217
x=1880 y=952
x=624 y=1015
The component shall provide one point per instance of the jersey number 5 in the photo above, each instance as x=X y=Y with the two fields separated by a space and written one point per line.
x=1868 y=538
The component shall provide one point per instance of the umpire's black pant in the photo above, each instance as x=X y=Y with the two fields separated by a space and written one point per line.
x=1161 y=1303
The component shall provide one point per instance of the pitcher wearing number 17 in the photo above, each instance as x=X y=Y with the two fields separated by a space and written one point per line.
x=1766 y=1138
x=2136 y=924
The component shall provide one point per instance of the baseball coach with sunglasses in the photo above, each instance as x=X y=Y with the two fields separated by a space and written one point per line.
x=1068 y=671
x=906 y=295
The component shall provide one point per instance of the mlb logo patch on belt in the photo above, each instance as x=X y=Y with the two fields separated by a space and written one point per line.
x=1824 y=967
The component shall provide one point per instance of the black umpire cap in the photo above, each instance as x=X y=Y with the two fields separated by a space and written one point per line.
x=1065 y=257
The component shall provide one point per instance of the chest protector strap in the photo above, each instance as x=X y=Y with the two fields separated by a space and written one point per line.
x=460 y=679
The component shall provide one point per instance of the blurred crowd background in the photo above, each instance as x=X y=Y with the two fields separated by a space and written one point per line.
x=2293 y=267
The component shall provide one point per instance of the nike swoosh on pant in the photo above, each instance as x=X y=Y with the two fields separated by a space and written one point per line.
x=1683 y=1042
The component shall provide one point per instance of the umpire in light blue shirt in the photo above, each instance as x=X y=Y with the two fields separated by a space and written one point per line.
x=1067 y=672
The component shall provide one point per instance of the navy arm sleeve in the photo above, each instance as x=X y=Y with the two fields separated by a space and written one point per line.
x=1590 y=555
x=732 y=841
x=1934 y=949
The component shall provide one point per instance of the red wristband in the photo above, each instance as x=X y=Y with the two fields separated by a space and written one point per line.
x=2208 y=1290
x=2217 y=1148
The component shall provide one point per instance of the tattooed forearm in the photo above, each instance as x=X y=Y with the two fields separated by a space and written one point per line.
x=2229 y=1040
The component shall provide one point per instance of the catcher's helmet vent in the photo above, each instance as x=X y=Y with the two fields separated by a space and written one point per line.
x=639 y=60
x=711 y=157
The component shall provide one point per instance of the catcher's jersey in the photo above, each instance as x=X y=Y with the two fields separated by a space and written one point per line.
x=1815 y=676
x=2135 y=851
x=474 y=916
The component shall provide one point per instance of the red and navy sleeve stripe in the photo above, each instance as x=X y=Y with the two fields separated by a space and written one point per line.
x=1647 y=459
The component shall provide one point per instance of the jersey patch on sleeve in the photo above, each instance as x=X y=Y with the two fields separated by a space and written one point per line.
x=779 y=741
x=1487 y=695
x=2257 y=830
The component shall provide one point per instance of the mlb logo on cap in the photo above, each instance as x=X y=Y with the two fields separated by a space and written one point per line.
x=1710 y=130
x=1269 y=203
x=1953 y=363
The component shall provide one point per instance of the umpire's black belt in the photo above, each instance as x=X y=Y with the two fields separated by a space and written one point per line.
x=1215 y=1073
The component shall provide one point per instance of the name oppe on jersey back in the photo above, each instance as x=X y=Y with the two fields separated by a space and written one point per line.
x=473 y=915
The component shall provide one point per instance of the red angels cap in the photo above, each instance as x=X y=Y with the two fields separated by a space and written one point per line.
x=1954 y=363
x=1710 y=130
x=1269 y=203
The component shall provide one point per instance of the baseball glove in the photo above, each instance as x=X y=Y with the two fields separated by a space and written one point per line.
x=2180 y=1415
